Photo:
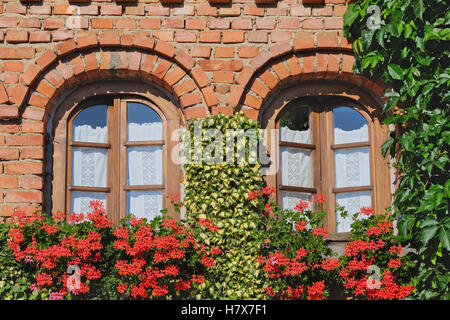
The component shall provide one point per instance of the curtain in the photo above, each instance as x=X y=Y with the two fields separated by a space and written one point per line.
x=289 y=199
x=289 y=135
x=357 y=135
x=296 y=167
x=352 y=167
x=144 y=165
x=80 y=201
x=145 y=204
x=144 y=131
x=86 y=133
x=352 y=203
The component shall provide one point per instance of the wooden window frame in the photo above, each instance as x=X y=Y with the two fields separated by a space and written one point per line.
x=322 y=98
x=115 y=95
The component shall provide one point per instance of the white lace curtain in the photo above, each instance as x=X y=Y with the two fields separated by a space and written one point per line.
x=144 y=167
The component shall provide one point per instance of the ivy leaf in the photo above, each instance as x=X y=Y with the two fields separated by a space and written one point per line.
x=395 y=71
x=445 y=238
x=419 y=9
x=427 y=234
x=386 y=146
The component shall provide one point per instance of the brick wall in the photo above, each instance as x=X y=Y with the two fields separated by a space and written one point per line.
x=211 y=57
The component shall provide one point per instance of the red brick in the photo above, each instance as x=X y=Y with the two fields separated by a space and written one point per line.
x=8 y=22
x=219 y=24
x=288 y=24
x=248 y=52
x=223 y=110
x=66 y=47
x=162 y=68
x=300 y=11
x=190 y=99
x=327 y=41
x=31 y=74
x=39 y=36
x=32 y=153
x=11 y=78
x=265 y=24
x=8 y=182
x=223 y=77
x=148 y=64
x=253 y=10
x=269 y=79
x=210 y=96
x=304 y=43
x=9 y=154
x=138 y=10
x=47 y=90
x=163 y=35
x=224 y=65
x=23 y=196
x=224 y=52
x=150 y=23
x=312 y=24
x=201 y=52
x=127 y=23
x=234 y=11
x=260 y=89
x=176 y=23
x=7 y=112
x=185 y=10
x=38 y=101
x=294 y=68
x=165 y=48
x=87 y=41
x=175 y=75
x=347 y=63
x=280 y=49
x=158 y=11
x=3 y=94
x=109 y=38
x=195 y=24
x=61 y=35
x=210 y=36
x=24 y=167
x=251 y=113
x=257 y=37
x=25 y=140
x=235 y=96
x=102 y=23
x=185 y=36
x=185 y=60
x=326 y=11
x=30 y=23
x=184 y=87
x=16 y=8
x=6 y=211
x=32 y=127
x=276 y=11
x=144 y=42
x=200 y=77
x=281 y=71
x=245 y=76
x=242 y=24
x=252 y=101
x=16 y=36
x=54 y=23
x=41 y=9
x=111 y=9
x=31 y=182
x=17 y=53
x=233 y=36
x=46 y=59
x=13 y=66
x=195 y=112
x=206 y=10
x=17 y=93
x=9 y=128
x=334 y=23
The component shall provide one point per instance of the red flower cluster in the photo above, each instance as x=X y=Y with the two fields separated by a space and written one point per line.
x=301 y=206
x=208 y=224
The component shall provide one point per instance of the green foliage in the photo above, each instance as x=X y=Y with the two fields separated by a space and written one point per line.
x=218 y=191
x=410 y=51
x=13 y=281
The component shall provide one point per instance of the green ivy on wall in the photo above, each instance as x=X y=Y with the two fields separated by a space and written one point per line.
x=406 y=44
x=218 y=191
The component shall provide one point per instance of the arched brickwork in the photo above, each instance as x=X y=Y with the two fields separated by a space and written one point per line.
x=327 y=58
x=106 y=56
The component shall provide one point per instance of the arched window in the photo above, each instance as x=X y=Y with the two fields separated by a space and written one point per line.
x=117 y=151
x=328 y=145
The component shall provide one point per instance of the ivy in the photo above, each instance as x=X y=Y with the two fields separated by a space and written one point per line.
x=409 y=50
x=218 y=191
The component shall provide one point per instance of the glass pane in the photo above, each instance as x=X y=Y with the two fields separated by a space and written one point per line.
x=89 y=167
x=294 y=124
x=352 y=167
x=90 y=125
x=296 y=167
x=289 y=199
x=143 y=123
x=349 y=126
x=144 y=165
x=145 y=204
x=352 y=202
x=79 y=202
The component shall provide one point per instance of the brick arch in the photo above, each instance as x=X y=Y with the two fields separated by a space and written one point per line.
x=325 y=57
x=102 y=56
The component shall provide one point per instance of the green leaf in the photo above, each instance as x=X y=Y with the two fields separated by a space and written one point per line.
x=395 y=71
x=427 y=234
x=418 y=9
x=386 y=146
x=445 y=238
